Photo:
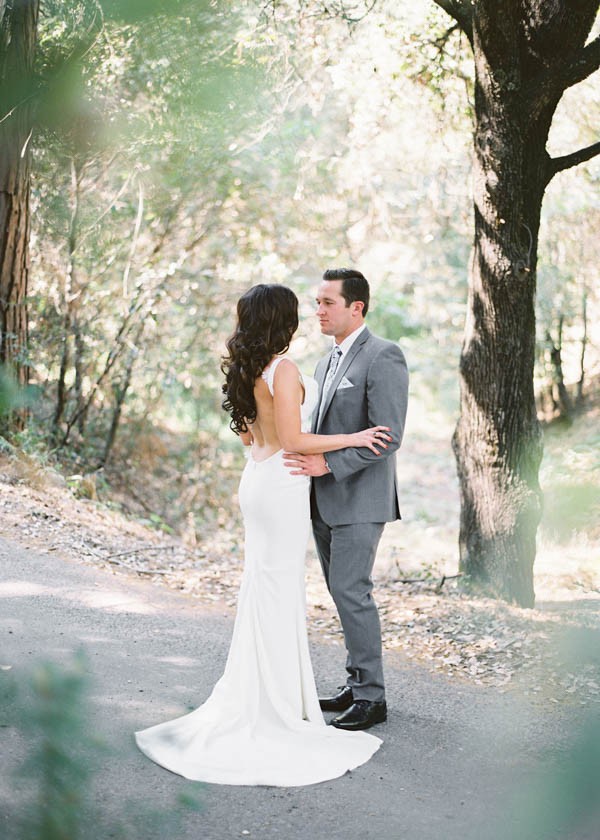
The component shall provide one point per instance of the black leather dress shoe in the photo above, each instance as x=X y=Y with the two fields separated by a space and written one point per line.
x=362 y=714
x=339 y=703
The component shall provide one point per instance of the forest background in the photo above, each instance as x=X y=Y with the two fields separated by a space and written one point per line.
x=180 y=157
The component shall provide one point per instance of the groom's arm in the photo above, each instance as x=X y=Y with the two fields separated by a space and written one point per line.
x=387 y=399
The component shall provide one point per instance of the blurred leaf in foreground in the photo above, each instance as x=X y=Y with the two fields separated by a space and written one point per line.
x=563 y=799
x=52 y=712
x=59 y=764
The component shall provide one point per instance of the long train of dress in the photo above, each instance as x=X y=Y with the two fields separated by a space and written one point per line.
x=262 y=724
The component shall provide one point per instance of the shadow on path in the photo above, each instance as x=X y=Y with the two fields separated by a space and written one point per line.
x=451 y=759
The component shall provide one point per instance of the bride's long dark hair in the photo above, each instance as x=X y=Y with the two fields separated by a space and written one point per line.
x=267 y=318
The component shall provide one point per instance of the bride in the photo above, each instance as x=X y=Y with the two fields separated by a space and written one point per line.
x=262 y=724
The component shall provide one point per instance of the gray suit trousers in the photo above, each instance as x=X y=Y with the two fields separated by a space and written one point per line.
x=347 y=554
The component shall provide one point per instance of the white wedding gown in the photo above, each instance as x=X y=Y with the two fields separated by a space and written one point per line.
x=262 y=724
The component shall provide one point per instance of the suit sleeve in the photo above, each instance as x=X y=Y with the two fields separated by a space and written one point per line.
x=387 y=399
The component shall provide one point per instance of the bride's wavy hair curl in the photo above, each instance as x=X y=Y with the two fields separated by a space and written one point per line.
x=267 y=318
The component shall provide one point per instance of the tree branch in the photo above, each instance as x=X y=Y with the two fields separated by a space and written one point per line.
x=584 y=65
x=558 y=164
x=549 y=85
x=441 y=42
x=462 y=12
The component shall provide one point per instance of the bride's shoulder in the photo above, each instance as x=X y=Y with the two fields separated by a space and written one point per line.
x=291 y=375
x=285 y=368
x=281 y=372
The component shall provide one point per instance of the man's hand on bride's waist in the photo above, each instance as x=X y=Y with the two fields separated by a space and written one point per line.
x=313 y=465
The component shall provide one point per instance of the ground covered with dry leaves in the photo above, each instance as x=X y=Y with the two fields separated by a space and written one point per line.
x=550 y=652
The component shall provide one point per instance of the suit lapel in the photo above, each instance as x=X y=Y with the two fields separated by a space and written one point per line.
x=340 y=372
x=320 y=373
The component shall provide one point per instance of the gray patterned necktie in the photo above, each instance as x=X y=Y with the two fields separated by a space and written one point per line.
x=334 y=360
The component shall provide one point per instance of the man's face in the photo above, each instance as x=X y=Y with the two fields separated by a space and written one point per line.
x=335 y=317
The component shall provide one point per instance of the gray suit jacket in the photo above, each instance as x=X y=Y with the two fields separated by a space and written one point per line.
x=362 y=486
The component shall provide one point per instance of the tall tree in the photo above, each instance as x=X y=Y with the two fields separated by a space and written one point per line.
x=18 y=29
x=526 y=54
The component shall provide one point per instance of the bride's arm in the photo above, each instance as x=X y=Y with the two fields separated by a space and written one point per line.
x=287 y=397
x=247 y=438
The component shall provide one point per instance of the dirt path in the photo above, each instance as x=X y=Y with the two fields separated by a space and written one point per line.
x=536 y=653
x=454 y=755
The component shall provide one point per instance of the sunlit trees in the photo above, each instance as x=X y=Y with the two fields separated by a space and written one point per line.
x=183 y=153
x=567 y=300
x=130 y=177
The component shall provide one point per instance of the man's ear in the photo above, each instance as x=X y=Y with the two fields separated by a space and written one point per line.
x=357 y=307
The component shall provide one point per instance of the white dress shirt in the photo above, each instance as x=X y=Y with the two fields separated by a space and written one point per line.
x=345 y=349
x=350 y=339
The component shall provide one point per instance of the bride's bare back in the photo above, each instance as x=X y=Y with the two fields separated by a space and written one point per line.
x=265 y=438
x=278 y=425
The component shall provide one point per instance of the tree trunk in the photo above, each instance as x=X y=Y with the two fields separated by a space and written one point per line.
x=74 y=294
x=18 y=29
x=79 y=346
x=497 y=441
x=61 y=387
x=563 y=401
x=71 y=329
x=584 y=339
x=120 y=395
x=526 y=54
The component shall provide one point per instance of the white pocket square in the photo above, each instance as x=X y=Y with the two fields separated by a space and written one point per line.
x=345 y=383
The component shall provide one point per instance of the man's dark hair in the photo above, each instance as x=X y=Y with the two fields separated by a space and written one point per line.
x=354 y=285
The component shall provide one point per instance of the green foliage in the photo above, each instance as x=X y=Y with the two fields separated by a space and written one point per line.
x=563 y=798
x=119 y=202
x=13 y=397
x=570 y=508
x=60 y=764
x=8 y=696
x=52 y=712
x=186 y=151
x=390 y=316
x=9 y=392
x=570 y=479
x=158 y=522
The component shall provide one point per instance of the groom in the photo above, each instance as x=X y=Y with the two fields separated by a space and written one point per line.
x=362 y=383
